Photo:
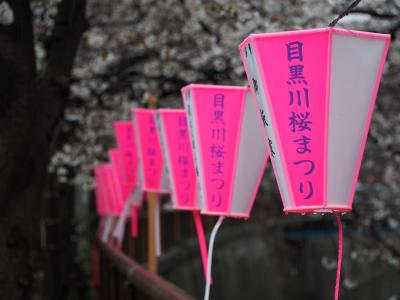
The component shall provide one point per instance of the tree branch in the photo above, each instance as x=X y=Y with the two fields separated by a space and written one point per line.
x=17 y=39
x=344 y=13
x=61 y=48
x=63 y=44
x=374 y=13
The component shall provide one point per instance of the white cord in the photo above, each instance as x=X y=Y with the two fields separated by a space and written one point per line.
x=210 y=253
x=107 y=228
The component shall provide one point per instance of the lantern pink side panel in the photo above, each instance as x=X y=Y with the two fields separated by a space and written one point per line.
x=295 y=68
x=105 y=179
x=101 y=171
x=179 y=152
x=99 y=193
x=150 y=150
x=121 y=191
x=125 y=136
x=113 y=190
x=218 y=112
x=99 y=200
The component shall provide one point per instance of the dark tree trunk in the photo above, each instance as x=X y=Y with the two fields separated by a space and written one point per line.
x=30 y=109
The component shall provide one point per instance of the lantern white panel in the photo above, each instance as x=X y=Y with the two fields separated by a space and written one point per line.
x=137 y=193
x=165 y=151
x=139 y=153
x=252 y=155
x=136 y=196
x=164 y=179
x=355 y=67
x=165 y=184
x=191 y=118
x=254 y=77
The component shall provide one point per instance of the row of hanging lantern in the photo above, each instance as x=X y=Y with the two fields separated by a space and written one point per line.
x=313 y=93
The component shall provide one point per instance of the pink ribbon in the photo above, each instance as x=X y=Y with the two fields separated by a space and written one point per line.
x=202 y=241
x=134 y=222
x=340 y=254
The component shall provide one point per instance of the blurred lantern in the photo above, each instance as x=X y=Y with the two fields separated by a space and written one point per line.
x=229 y=151
x=316 y=91
x=105 y=183
x=100 y=198
x=108 y=184
x=152 y=167
x=119 y=189
x=124 y=196
x=131 y=179
x=99 y=193
x=151 y=161
x=178 y=156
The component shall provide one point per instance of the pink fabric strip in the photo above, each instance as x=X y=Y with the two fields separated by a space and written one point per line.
x=134 y=222
x=340 y=254
x=202 y=241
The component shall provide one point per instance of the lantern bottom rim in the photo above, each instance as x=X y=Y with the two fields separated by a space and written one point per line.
x=157 y=191
x=186 y=208
x=318 y=209
x=225 y=214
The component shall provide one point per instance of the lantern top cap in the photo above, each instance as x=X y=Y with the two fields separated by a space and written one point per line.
x=97 y=169
x=355 y=33
x=171 y=110
x=101 y=167
x=143 y=110
x=213 y=86
x=111 y=150
x=122 y=122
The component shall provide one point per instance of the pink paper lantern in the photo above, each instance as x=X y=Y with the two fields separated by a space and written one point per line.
x=113 y=192
x=125 y=137
x=151 y=162
x=227 y=139
x=100 y=196
x=174 y=136
x=120 y=190
x=316 y=91
x=106 y=189
x=131 y=177
x=178 y=156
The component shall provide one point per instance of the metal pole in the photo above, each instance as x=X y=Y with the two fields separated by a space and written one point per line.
x=151 y=211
